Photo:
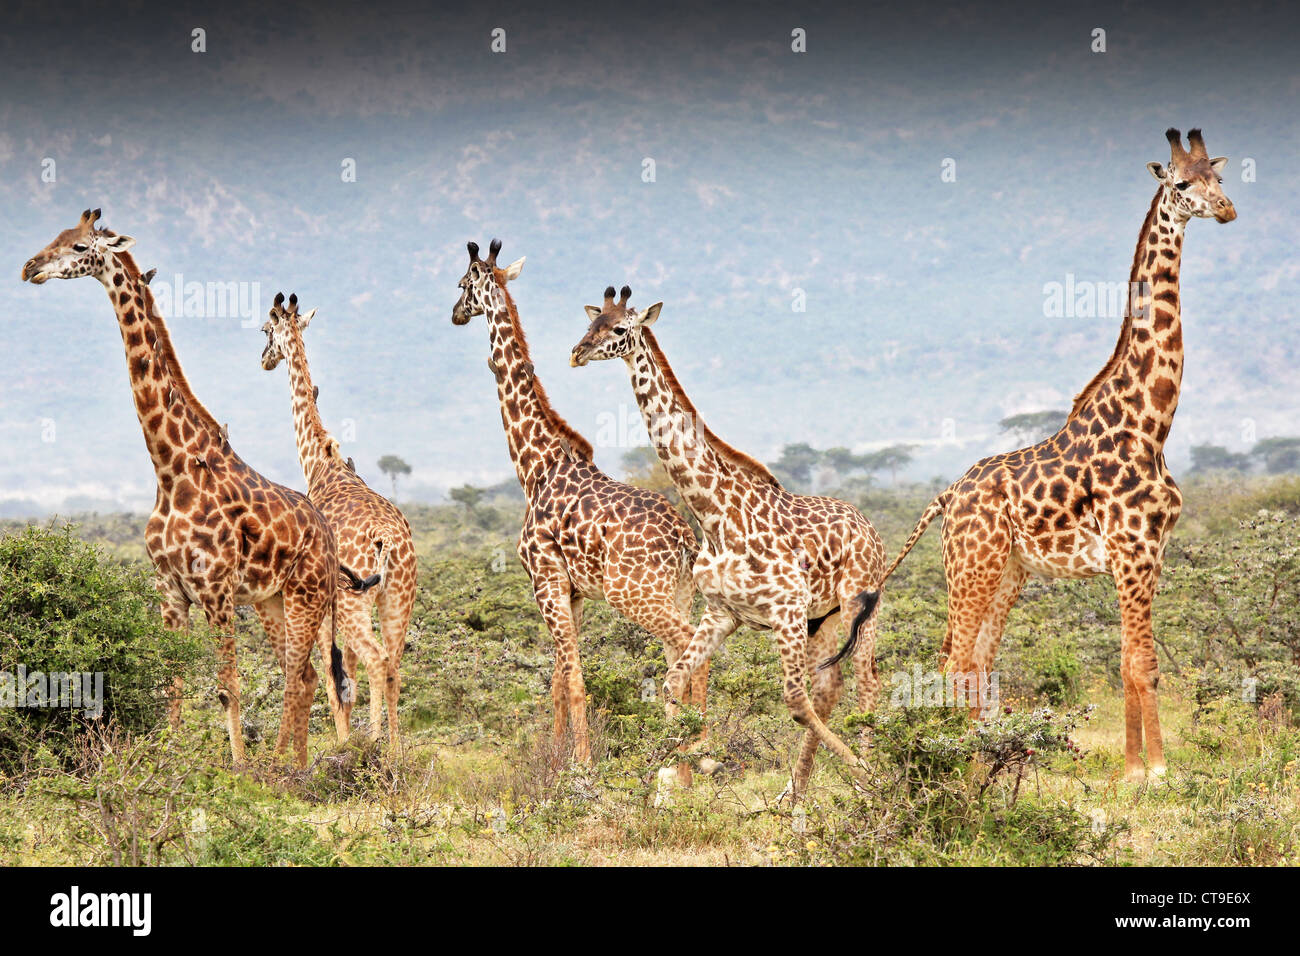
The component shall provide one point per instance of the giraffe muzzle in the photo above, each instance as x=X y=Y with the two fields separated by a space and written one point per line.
x=33 y=273
x=1225 y=212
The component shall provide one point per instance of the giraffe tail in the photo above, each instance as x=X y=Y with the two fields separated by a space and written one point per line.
x=356 y=583
x=342 y=686
x=932 y=511
x=867 y=601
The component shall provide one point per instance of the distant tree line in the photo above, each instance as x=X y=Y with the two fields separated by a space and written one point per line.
x=1272 y=456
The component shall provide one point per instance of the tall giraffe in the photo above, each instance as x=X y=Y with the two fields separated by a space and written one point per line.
x=374 y=539
x=794 y=564
x=584 y=535
x=1096 y=497
x=220 y=534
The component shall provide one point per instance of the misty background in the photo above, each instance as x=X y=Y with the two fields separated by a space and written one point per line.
x=778 y=177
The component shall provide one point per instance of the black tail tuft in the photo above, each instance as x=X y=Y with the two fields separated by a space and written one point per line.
x=342 y=685
x=358 y=584
x=868 y=599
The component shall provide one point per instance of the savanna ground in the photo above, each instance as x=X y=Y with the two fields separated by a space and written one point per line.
x=1042 y=784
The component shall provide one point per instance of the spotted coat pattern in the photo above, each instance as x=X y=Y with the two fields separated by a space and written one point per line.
x=373 y=536
x=220 y=534
x=1096 y=497
x=793 y=564
x=585 y=536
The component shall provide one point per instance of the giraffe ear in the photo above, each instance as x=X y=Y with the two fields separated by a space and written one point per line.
x=305 y=320
x=1158 y=171
x=649 y=315
x=1218 y=163
x=511 y=272
x=120 y=243
x=593 y=312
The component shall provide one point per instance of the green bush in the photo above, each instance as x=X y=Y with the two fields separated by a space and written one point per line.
x=66 y=609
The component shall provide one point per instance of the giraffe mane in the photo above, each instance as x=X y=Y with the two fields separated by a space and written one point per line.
x=577 y=443
x=314 y=422
x=163 y=340
x=1126 y=330
x=724 y=451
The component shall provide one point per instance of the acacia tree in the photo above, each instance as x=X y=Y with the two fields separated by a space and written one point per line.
x=467 y=495
x=392 y=466
x=1031 y=427
x=1278 y=455
x=796 y=464
x=1217 y=458
x=890 y=459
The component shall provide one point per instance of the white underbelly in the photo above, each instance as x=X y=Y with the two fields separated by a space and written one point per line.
x=1085 y=558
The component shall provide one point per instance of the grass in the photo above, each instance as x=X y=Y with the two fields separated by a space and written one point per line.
x=474 y=784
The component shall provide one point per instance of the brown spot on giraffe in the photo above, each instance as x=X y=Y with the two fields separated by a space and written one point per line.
x=298 y=587
x=1126 y=502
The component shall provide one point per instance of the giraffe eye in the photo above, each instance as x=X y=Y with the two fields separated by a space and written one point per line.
x=79 y=247
x=1183 y=185
x=619 y=330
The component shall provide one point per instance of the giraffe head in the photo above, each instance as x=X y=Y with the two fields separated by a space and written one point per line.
x=614 y=329
x=82 y=250
x=281 y=324
x=481 y=282
x=1192 y=179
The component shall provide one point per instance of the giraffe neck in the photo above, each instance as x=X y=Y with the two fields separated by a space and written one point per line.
x=314 y=442
x=177 y=428
x=538 y=438
x=1138 y=388
x=696 y=460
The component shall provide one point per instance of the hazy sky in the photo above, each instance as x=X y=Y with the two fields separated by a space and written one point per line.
x=774 y=172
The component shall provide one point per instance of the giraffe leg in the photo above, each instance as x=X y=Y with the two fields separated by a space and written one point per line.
x=394 y=609
x=328 y=632
x=176 y=617
x=1136 y=576
x=351 y=658
x=791 y=631
x=663 y=619
x=715 y=626
x=297 y=692
x=220 y=612
x=302 y=720
x=556 y=602
x=356 y=628
x=828 y=684
x=698 y=693
x=307 y=622
x=271 y=613
x=973 y=584
x=1014 y=576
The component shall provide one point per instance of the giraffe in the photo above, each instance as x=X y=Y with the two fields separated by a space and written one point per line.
x=373 y=536
x=795 y=564
x=585 y=536
x=220 y=534
x=1096 y=497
